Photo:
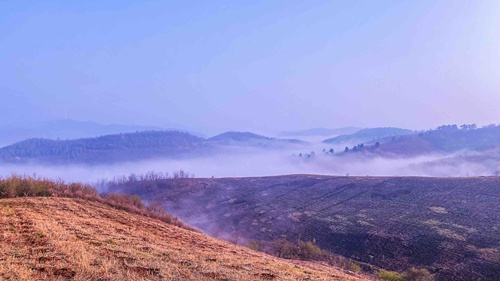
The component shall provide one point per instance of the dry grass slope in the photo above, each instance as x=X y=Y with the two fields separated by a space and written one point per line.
x=49 y=238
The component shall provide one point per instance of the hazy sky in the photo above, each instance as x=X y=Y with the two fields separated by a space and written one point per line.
x=263 y=66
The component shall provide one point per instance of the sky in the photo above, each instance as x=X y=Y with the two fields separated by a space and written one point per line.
x=262 y=66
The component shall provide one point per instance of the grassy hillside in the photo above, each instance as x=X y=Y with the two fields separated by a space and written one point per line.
x=51 y=238
x=449 y=226
x=28 y=186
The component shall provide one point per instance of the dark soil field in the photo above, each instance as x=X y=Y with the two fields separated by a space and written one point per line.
x=451 y=226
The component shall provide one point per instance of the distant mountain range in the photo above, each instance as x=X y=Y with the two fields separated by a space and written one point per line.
x=324 y=132
x=64 y=129
x=443 y=140
x=132 y=146
x=152 y=144
x=104 y=149
x=250 y=139
x=451 y=151
x=366 y=135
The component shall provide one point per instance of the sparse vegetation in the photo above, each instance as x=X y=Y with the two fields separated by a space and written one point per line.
x=303 y=250
x=355 y=267
x=387 y=275
x=418 y=274
x=412 y=274
x=299 y=250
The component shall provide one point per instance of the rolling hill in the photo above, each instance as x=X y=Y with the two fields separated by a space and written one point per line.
x=449 y=226
x=64 y=129
x=131 y=147
x=250 y=140
x=445 y=140
x=366 y=135
x=321 y=132
x=104 y=149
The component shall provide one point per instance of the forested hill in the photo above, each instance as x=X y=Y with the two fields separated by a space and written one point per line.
x=370 y=134
x=131 y=147
x=110 y=148
x=250 y=139
x=445 y=139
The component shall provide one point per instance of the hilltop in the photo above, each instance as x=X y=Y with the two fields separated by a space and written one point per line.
x=49 y=238
x=450 y=226
x=250 y=139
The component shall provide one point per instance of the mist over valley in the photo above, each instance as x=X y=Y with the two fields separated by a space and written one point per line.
x=441 y=152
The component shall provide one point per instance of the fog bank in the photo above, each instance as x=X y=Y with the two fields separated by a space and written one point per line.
x=255 y=162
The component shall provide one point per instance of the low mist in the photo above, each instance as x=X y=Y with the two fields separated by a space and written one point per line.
x=245 y=162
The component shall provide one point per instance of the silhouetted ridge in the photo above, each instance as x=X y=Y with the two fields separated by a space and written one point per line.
x=250 y=139
x=369 y=134
x=237 y=136
x=445 y=139
x=321 y=132
x=127 y=146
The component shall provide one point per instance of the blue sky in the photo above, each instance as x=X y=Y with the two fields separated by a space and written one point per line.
x=264 y=66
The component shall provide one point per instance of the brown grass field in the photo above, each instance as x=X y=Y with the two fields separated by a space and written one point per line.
x=50 y=238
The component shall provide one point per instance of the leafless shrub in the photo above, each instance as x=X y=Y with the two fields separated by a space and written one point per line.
x=418 y=274
x=302 y=250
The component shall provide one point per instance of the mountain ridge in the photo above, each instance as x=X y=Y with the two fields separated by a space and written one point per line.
x=132 y=146
x=369 y=134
